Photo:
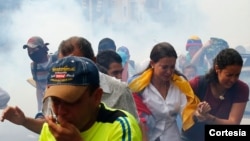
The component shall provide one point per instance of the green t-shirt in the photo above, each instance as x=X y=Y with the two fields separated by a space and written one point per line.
x=111 y=125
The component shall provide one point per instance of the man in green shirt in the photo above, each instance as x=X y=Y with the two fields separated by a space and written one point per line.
x=77 y=111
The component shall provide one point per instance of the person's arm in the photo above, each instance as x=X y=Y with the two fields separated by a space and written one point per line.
x=123 y=98
x=127 y=98
x=202 y=112
x=34 y=125
x=16 y=116
x=199 y=55
x=180 y=63
x=235 y=115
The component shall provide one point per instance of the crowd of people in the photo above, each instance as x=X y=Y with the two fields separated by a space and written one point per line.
x=102 y=96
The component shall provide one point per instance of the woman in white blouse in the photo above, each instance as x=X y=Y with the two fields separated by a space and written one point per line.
x=161 y=93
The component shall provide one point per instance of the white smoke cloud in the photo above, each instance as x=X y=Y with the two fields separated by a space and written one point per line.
x=55 y=20
x=227 y=19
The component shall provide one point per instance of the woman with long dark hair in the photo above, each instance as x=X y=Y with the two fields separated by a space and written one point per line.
x=223 y=91
x=161 y=93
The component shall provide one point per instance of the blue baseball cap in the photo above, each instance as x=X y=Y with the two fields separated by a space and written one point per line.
x=70 y=76
x=106 y=44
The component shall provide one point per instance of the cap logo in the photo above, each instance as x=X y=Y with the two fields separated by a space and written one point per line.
x=62 y=74
x=63 y=69
x=72 y=70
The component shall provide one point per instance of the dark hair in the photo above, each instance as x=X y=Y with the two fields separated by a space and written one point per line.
x=105 y=58
x=67 y=46
x=225 y=57
x=161 y=50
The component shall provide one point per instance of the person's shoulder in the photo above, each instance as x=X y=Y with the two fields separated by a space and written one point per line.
x=241 y=89
x=119 y=121
x=112 y=114
x=110 y=84
x=111 y=80
x=242 y=84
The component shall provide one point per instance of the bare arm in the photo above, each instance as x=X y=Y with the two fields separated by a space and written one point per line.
x=235 y=115
x=16 y=116
x=199 y=55
x=34 y=125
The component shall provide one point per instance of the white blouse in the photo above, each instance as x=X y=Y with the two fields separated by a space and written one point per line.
x=164 y=111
